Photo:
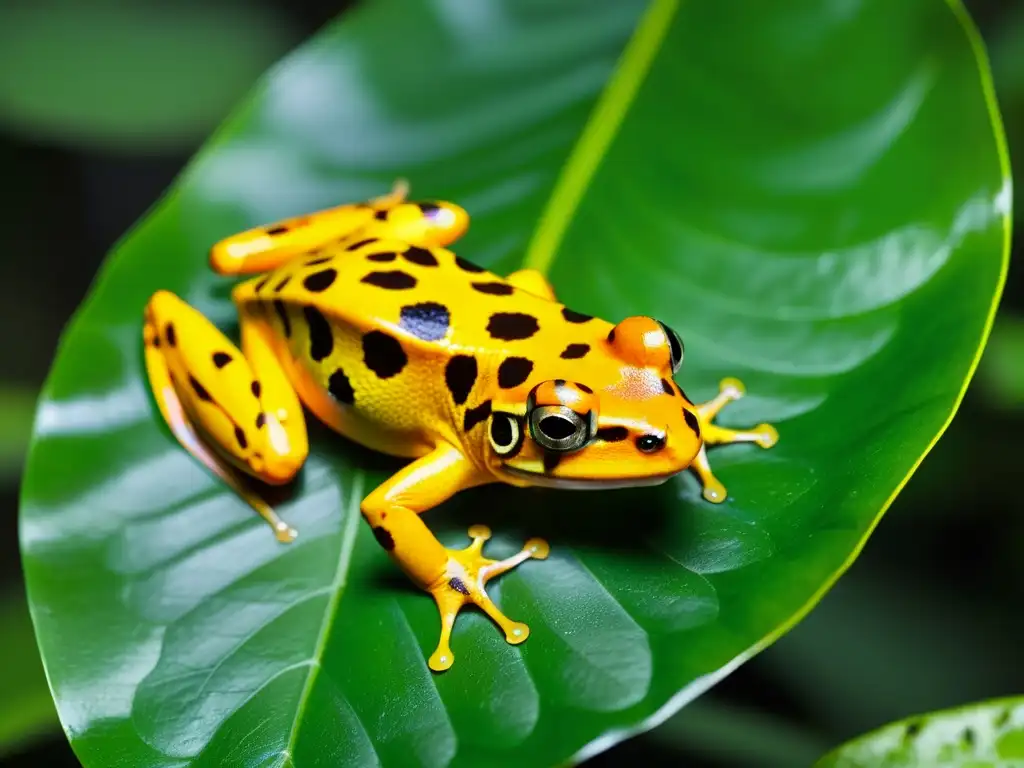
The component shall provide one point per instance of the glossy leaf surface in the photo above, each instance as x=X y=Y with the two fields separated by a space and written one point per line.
x=983 y=735
x=827 y=224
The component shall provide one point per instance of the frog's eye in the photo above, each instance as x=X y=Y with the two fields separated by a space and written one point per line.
x=675 y=346
x=505 y=434
x=559 y=428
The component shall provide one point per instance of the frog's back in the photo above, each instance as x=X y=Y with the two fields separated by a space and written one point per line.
x=411 y=338
x=431 y=300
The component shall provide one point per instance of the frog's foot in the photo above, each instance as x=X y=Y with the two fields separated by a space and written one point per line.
x=467 y=572
x=764 y=435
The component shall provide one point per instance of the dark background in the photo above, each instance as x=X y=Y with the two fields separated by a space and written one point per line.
x=929 y=616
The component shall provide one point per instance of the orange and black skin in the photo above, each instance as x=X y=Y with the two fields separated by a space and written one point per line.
x=362 y=315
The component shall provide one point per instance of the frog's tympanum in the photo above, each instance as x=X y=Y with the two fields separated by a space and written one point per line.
x=361 y=314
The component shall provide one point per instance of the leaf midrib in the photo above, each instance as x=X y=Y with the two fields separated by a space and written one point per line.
x=337 y=587
x=599 y=132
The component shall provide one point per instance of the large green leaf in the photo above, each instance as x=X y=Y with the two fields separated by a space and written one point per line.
x=828 y=223
x=984 y=735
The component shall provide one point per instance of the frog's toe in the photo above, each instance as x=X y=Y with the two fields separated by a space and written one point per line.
x=538 y=548
x=713 y=491
x=732 y=388
x=284 y=532
x=464 y=582
x=767 y=435
x=764 y=435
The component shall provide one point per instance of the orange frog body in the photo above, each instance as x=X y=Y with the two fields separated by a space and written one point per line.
x=362 y=315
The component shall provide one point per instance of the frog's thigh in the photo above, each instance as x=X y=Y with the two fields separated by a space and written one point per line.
x=214 y=403
x=393 y=509
x=533 y=281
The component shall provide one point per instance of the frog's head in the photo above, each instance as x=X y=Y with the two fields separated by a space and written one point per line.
x=616 y=419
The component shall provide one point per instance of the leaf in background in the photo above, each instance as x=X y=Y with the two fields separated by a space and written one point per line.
x=1002 y=367
x=17 y=409
x=26 y=707
x=828 y=224
x=985 y=735
x=136 y=74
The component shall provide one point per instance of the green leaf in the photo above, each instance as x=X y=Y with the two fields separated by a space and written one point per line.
x=137 y=75
x=26 y=708
x=828 y=224
x=984 y=735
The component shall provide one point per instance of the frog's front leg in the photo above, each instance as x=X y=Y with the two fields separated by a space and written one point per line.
x=764 y=435
x=230 y=409
x=455 y=577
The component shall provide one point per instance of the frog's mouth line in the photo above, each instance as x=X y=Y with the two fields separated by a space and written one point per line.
x=602 y=484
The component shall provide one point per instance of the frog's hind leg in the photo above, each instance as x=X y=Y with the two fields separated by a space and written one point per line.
x=765 y=435
x=233 y=412
x=533 y=281
x=454 y=577
x=264 y=248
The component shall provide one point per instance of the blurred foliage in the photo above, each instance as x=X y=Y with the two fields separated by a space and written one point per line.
x=1006 y=51
x=1006 y=44
x=1002 y=368
x=130 y=76
x=882 y=620
x=734 y=734
x=26 y=707
x=17 y=408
